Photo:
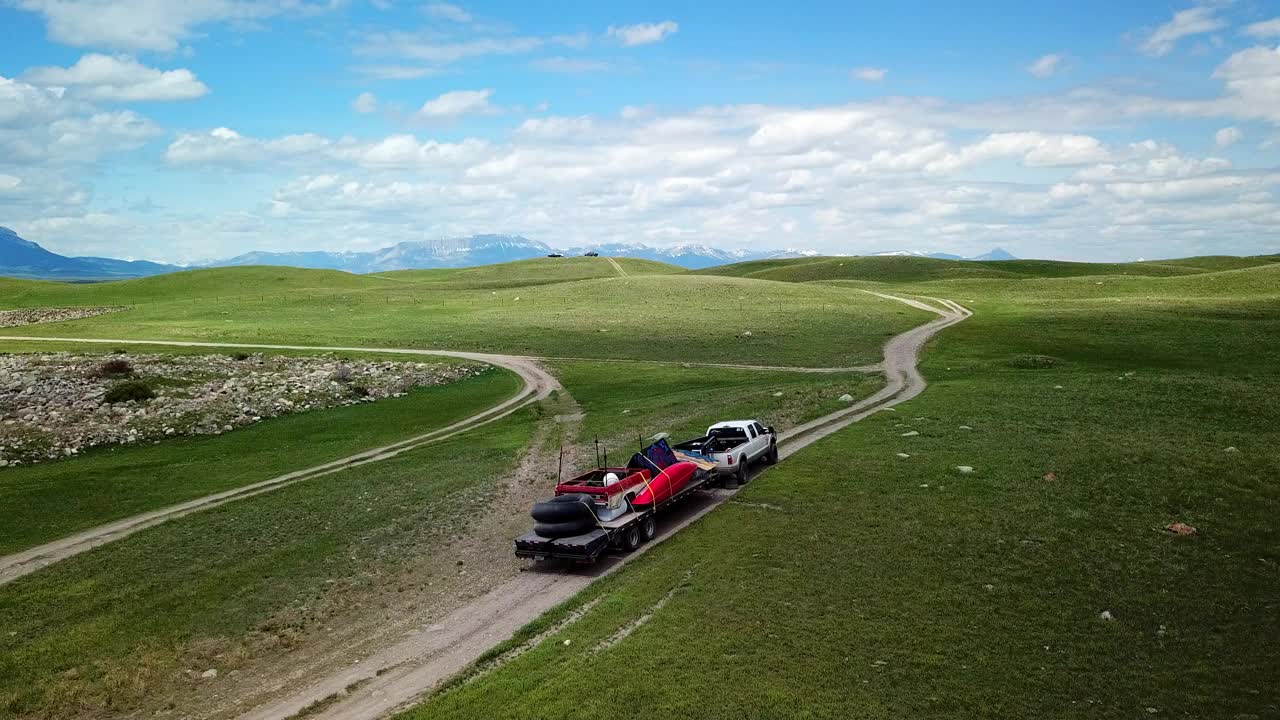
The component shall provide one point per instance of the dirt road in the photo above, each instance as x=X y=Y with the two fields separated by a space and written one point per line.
x=398 y=675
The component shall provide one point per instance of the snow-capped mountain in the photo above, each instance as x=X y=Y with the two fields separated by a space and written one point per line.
x=993 y=254
x=452 y=252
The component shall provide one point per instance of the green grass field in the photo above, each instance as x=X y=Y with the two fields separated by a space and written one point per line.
x=684 y=401
x=649 y=317
x=846 y=582
x=107 y=631
x=897 y=268
x=851 y=582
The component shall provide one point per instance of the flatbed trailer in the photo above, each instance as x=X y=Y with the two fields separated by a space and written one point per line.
x=624 y=533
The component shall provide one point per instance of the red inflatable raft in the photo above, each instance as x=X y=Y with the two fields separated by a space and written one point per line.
x=668 y=483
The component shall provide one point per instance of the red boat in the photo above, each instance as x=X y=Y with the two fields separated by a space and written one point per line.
x=667 y=484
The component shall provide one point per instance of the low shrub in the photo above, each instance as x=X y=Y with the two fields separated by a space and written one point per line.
x=240 y=357
x=115 y=367
x=129 y=390
x=1034 y=362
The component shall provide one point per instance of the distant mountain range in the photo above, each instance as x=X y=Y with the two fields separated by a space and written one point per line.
x=22 y=258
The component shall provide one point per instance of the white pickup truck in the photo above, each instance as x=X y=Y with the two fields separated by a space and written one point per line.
x=734 y=445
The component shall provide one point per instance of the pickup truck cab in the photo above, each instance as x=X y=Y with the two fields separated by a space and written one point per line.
x=734 y=445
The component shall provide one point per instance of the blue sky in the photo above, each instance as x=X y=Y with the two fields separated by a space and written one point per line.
x=206 y=128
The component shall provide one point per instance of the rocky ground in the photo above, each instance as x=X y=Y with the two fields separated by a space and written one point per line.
x=56 y=404
x=32 y=316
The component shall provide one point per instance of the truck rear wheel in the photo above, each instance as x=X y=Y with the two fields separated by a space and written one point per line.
x=772 y=457
x=648 y=529
x=631 y=538
x=742 y=472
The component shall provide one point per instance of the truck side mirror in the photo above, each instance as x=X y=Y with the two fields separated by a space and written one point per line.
x=769 y=429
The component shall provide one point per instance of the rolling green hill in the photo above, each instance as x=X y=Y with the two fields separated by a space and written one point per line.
x=898 y=268
x=538 y=271
x=870 y=576
x=642 y=316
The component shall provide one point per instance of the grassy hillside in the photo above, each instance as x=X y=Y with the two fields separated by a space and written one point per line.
x=113 y=630
x=897 y=268
x=853 y=582
x=538 y=271
x=63 y=497
x=655 y=317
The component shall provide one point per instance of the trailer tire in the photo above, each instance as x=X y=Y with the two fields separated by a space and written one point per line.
x=563 y=508
x=570 y=528
x=631 y=538
x=648 y=529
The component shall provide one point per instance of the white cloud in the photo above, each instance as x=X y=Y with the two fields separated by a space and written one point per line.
x=458 y=103
x=1185 y=23
x=1045 y=65
x=365 y=102
x=446 y=11
x=1252 y=79
x=1264 y=29
x=431 y=48
x=869 y=74
x=1227 y=136
x=570 y=65
x=158 y=25
x=119 y=79
x=394 y=72
x=9 y=182
x=644 y=33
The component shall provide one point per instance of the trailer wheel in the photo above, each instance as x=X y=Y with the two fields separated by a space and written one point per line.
x=631 y=538
x=648 y=529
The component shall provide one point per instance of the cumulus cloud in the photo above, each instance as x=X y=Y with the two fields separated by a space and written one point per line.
x=157 y=25
x=1045 y=65
x=457 y=103
x=1227 y=136
x=447 y=11
x=643 y=33
x=1185 y=23
x=869 y=74
x=119 y=79
x=365 y=102
x=1264 y=29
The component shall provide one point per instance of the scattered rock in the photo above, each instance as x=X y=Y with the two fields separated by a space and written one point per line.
x=911 y=433
x=778 y=394
x=964 y=469
x=1051 y=476
x=1057 y=387
x=1232 y=449
x=52 y=404
x=989 y=587
x=567 y=643
x=746 y=334
x=846 y=398
x=965 y=427
x=1179 y=528
x=209 y=674
x=903 y=455
x=34 y=316
x=1106 y=615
